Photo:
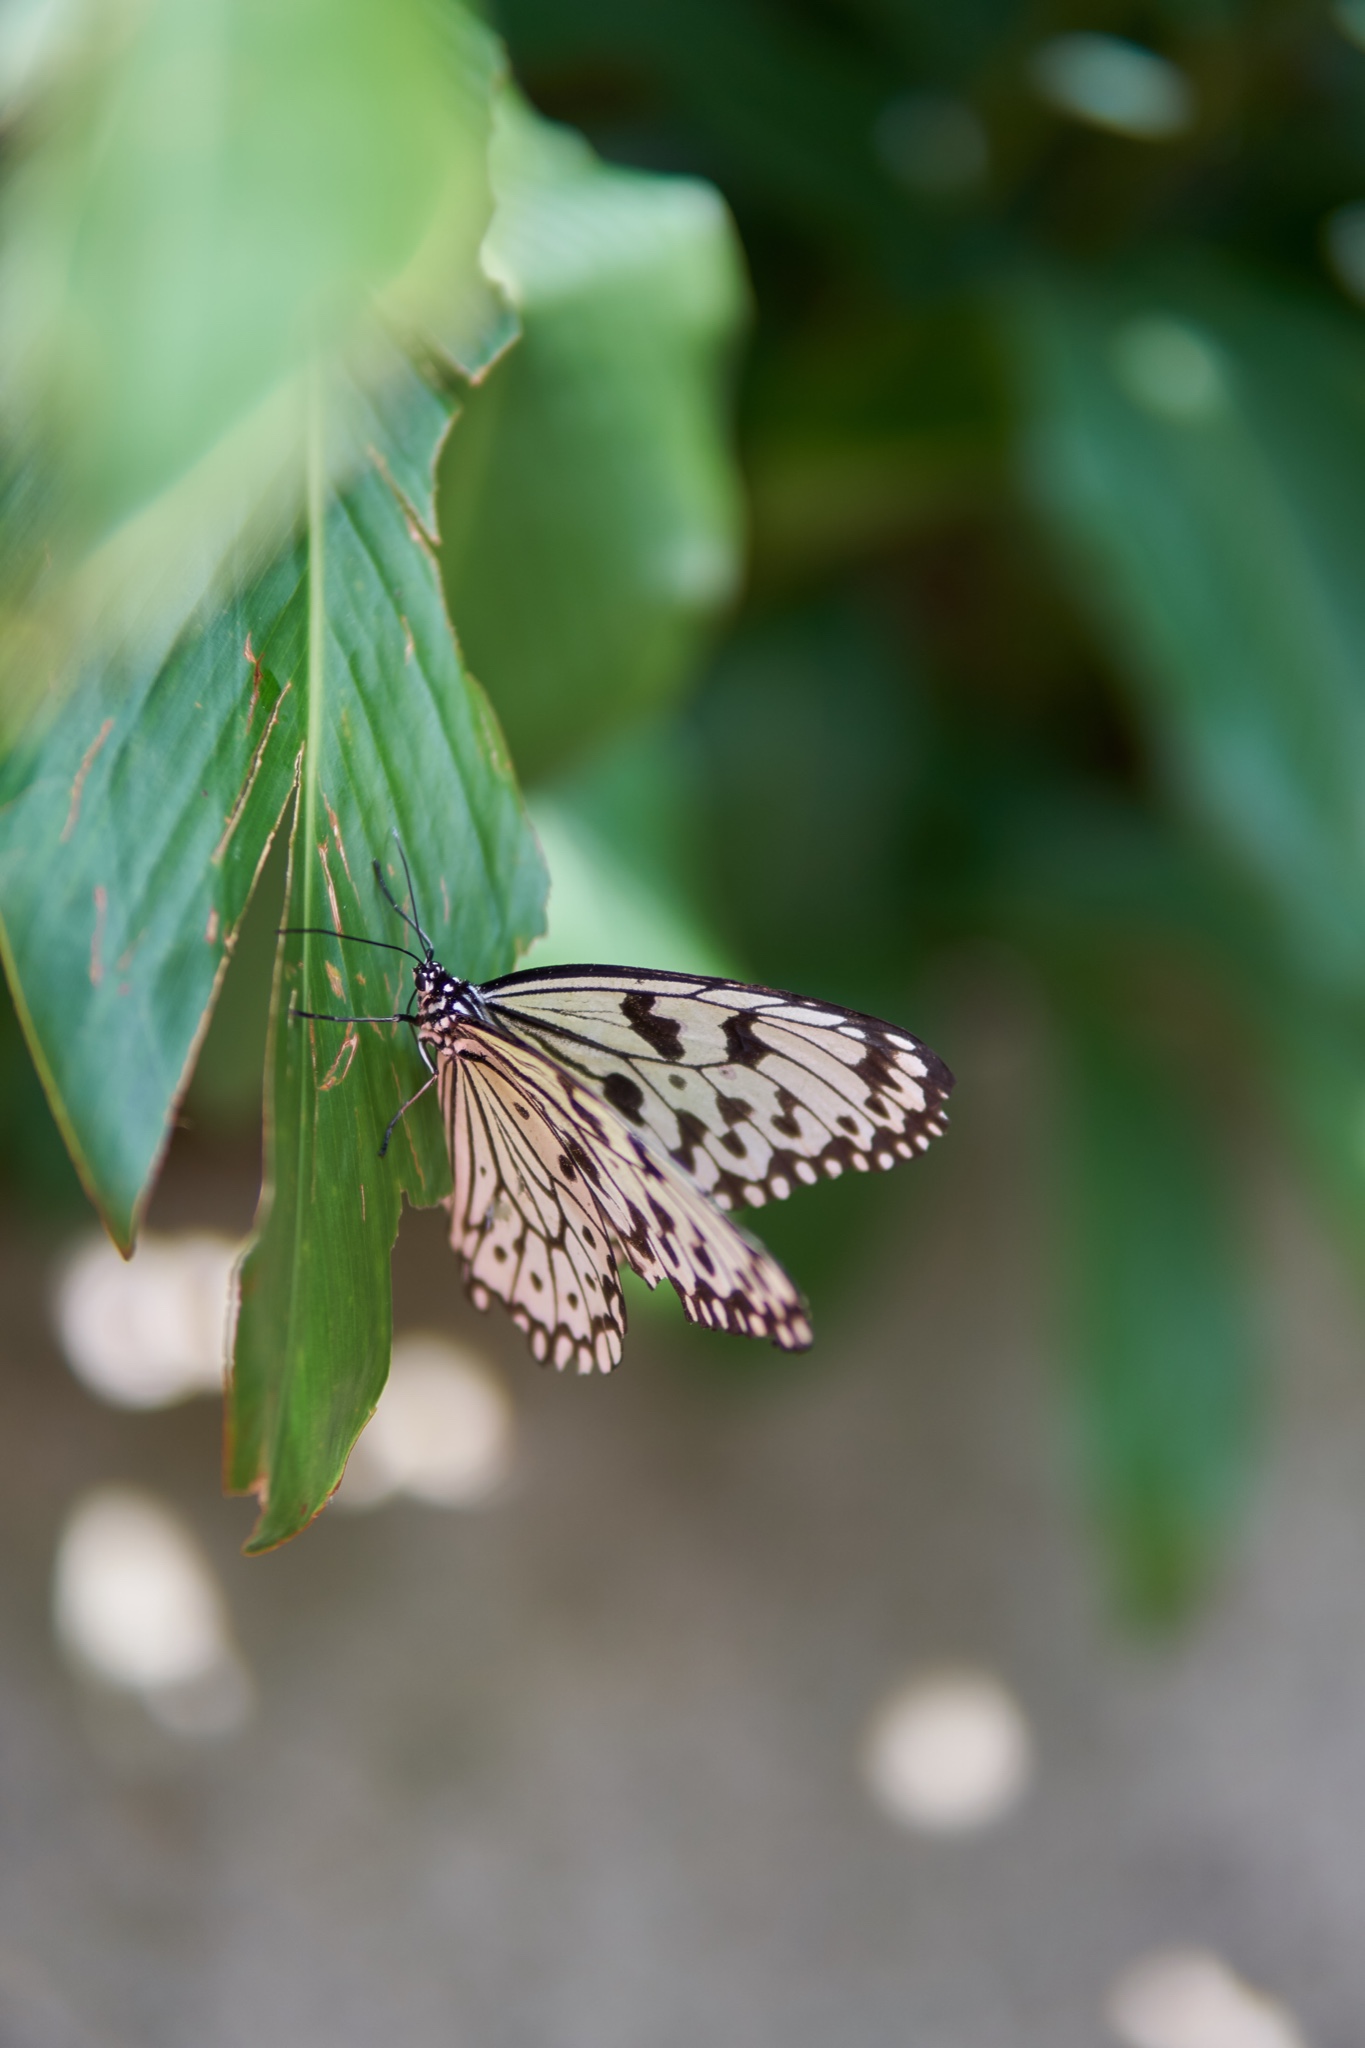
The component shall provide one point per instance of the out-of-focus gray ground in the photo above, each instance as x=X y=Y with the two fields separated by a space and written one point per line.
x=579 y=1770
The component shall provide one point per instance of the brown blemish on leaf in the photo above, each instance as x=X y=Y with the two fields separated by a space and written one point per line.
x=331 y=890
x=334 y=978
x=249 y=655
x=97 y=937
x=211 y=929
x=341 y=1065
x=234 y=815
x=341 y=846
x=78 y=780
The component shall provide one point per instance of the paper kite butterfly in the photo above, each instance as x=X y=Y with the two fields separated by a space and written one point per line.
x=601 y=1116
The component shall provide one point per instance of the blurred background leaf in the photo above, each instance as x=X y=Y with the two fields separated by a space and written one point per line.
x=1198 y=438
x=590 y=514
x=1050 y=425
x=1158 y=1318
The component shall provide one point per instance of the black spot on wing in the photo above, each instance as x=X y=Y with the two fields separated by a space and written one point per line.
x=786 y=1123
x=625 y=1096
x=742 y=1043
x=877 y=1068
x=661 y=1034
x=734 y=1108
x=691 y=1135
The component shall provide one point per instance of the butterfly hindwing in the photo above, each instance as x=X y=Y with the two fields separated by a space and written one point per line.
x=525 y=1231
x=750 y=1091
x=552 y=1186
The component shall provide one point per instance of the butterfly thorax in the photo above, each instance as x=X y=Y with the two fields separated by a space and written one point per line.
x=444 y=1000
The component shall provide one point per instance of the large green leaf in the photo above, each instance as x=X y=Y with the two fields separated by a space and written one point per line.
x=589 y=504
x=1158 y=1322
x=397 y=739
x=1198 y=441
x=135 y=815
x=135 y=823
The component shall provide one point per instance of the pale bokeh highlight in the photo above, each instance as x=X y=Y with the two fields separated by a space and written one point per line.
x=1107 y=82
x=1169 y=368
x=136 y=1609
x=146 y=1332
x=442 y=1433
x=1189 y=1998
x=950 y=1752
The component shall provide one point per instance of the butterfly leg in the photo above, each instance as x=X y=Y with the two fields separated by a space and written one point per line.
x=388 y=1133
x=326 y=1017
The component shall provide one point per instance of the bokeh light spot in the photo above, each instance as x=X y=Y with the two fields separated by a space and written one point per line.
x=1343 y=241
x=1188 y=1998
x=1169 y=368
x=949 y=1752
x=442 y=1432
x=136 y=1608
x=1349 y=16
x=145 y=1332
x=1110 y=83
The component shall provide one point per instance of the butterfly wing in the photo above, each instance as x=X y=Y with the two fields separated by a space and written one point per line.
x=525 y=1231
x=749 y=1090
x=552 y=1187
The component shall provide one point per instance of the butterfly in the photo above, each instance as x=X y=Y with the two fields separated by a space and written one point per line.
x=607 y=1116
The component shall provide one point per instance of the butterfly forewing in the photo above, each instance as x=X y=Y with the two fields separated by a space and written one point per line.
x=749 y=1090
x=552 y=1186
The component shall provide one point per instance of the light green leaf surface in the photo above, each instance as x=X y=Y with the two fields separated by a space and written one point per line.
x=207 y=197
x=1157 y=1309
x=1198 y=441
x=589 y=503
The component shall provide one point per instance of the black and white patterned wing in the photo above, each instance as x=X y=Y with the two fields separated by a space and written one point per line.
x=751 y=1091
x=552 y=1188
x=527 y=1232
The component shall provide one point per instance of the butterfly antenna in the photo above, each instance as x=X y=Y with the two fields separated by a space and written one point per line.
x=320 y=931
x=393 y=902
x=412 y=896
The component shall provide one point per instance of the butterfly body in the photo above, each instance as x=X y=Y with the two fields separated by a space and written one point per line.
x=442 y=1000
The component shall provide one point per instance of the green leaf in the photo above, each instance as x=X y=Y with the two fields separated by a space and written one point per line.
x=1198 y=441
x=133 y=820
x=589 y=504
x=133 y=826
x=1157 y=1307
x=209 y=197
x=397 y=740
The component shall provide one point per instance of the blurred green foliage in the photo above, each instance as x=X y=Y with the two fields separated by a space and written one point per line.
x=1051 y=427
